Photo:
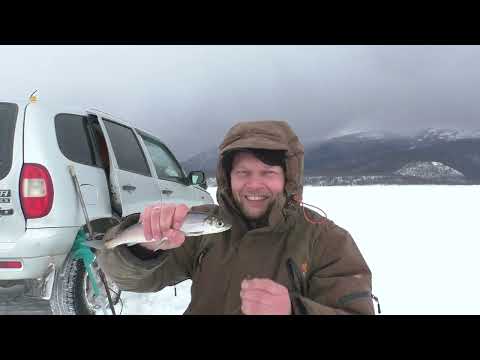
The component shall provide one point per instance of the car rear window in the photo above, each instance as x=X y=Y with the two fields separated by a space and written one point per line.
x=74 y=139
x=8 y=119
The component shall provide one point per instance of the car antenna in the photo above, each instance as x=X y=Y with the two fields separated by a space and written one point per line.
x=32 y=97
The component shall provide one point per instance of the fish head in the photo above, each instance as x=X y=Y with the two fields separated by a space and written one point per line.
x=215 y=224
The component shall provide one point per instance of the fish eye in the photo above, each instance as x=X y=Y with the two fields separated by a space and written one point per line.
x=220 y=223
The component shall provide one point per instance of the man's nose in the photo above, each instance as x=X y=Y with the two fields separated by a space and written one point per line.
x=255 y=182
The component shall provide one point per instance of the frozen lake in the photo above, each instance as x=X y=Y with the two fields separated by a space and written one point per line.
x=421 y=243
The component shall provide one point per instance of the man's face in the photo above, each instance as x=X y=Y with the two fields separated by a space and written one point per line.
x=255 y=184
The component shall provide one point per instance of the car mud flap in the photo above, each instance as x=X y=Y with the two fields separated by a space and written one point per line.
x=42 y=287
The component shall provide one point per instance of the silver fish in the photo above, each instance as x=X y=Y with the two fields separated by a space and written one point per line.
x=196 y=223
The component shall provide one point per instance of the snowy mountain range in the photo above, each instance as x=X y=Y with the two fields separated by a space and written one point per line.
x=446 y=156
x=446 y=135
x=430 y=169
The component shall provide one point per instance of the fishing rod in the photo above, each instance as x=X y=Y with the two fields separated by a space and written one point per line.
x=91 y=234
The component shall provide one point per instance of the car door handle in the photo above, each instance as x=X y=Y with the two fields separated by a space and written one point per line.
x=167 y=192
x=129 y=188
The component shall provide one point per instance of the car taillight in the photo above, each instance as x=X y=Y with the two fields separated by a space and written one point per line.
x=10 y=265
x=36 y=191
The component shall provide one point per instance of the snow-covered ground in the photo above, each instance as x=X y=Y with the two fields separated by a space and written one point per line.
x=421 y=242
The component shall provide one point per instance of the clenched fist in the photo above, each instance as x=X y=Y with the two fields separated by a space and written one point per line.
x=264 y=297
x=161 y=226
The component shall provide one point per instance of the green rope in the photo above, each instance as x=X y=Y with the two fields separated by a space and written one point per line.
x=83 y=252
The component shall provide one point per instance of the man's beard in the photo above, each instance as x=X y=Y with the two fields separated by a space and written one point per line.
x=255 y=221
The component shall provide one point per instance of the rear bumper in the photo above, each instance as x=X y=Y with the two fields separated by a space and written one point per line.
x=37 y=250
x=33 y=268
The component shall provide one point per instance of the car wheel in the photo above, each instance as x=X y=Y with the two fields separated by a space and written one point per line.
x=73 y=292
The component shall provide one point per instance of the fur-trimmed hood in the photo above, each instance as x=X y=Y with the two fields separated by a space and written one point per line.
x=271 y=135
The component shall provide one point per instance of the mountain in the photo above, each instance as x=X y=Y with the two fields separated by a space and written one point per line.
x=205 y=161
x=445 y=135
x=359 y=154
x=416 y=172
x=441 y=155
x=429 y=170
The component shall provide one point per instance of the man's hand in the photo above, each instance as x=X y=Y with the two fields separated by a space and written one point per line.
x=264 y=297
x=163 y=221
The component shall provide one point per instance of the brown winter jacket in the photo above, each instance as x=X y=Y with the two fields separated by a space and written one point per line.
x=318 y=262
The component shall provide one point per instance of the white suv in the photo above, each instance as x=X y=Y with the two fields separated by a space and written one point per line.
x=120 y=170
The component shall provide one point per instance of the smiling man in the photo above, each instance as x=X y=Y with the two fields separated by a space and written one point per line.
x=279 y=258
x=257 y=178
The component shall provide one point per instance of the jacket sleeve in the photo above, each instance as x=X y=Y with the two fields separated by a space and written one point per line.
x=340 y=281
x=139 y=270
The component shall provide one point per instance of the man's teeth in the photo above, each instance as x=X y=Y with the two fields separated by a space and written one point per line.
x=255 y=197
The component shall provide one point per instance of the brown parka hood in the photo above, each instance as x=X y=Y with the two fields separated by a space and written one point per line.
x=270 y=135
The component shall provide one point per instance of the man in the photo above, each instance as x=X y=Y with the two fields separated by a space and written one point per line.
x=278 y=257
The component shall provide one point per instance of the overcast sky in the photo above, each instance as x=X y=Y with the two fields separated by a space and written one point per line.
x=190 y=96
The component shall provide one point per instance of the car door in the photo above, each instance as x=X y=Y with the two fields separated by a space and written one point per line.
x=171 y=179
x=131 y=176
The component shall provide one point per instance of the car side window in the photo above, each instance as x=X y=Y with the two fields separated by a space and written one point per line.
x=165 y=165
x=126 y=148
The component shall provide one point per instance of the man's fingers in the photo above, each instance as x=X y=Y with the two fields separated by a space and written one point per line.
x=179 y=216
x=155 y=217
x=147 y=227
x=175 y=238
x=160 y=220
x=257 y=296
x=254 y=308
x=166 y=217
x=264 y=284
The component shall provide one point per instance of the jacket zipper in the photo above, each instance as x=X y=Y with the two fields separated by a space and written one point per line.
x=201 y=255
x=296 y=281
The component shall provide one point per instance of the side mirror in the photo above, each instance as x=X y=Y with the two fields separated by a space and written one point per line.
x=197 y=178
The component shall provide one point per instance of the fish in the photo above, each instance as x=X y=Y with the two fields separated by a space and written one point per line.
x=196 y=223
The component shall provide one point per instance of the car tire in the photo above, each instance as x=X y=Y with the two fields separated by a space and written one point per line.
x=69 y=290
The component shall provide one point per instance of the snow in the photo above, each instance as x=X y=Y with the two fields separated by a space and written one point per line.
x=370 y=135
x=362 y=135
x=429 y=170
x=449 y=134
x=163 y=302
x=421 y=243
